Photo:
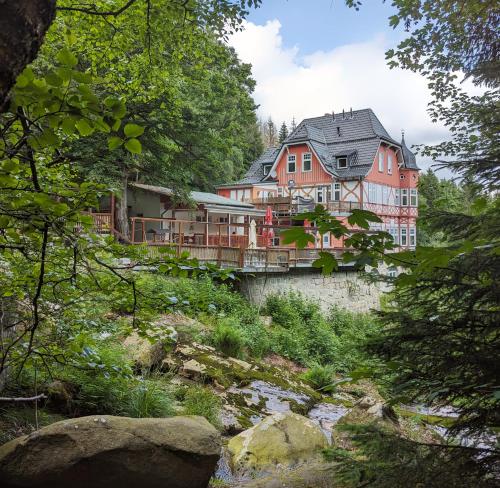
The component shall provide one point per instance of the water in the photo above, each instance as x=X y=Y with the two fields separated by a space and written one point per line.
x=326 y=415
x=277 y=400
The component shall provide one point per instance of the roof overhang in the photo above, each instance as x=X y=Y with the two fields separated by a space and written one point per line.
x=235 y=210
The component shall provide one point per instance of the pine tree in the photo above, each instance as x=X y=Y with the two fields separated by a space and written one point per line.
x=270 y=133
x=283 y=134
x=293 y=125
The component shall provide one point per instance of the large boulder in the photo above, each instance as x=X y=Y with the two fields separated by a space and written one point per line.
x=106 y=451
x=280 y=440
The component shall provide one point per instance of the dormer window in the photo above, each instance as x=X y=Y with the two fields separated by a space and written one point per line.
x=267 y=169
x=342 y=162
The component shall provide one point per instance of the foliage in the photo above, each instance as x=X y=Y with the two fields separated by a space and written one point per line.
x=303 y=333
x=201 y=401
x=383 y=458
x=228 y=339
x=321 y=377
x=437 y=196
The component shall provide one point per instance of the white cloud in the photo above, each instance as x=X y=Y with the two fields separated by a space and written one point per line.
x=353 y=75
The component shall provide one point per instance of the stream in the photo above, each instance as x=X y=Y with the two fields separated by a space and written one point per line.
x=277 y=400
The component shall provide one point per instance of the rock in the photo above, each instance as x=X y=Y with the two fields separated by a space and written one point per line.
x=60 y=395
x=366 y=410
x=149 y=352
x=280 y=439
x=106 y=451
x=229 y=419
x=238 y=362
x=316 y=474
x=193 y=369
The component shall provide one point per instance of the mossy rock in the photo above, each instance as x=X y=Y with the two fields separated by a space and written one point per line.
x=280 y=439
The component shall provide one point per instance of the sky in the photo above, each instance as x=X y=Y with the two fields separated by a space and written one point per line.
x=310 y=57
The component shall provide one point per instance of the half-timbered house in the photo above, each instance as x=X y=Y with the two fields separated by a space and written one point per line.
x=342 y=161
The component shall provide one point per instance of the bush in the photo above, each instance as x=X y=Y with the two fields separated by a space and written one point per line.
x=321 y=377
x=303 y=333
x=201 y=401
x=228 y=339
x=101 y=380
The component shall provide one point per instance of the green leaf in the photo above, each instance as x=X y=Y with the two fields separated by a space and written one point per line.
x=84 y=128
x=134 y=146
x=297 y=235
x=114 y=142
x=327 y=262
x=67 y=58
x=133 y=130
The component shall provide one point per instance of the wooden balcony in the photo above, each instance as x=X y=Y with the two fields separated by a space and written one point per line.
x=223 y=244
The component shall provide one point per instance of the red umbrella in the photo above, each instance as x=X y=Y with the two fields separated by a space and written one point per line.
x=268 y=220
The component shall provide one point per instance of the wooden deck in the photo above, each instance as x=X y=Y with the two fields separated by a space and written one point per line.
x=224 y=244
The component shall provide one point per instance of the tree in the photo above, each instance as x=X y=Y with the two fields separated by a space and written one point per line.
x=193 y=100
x=283 y=134
x=24 y=23
x=53 y=266
x=270 y=133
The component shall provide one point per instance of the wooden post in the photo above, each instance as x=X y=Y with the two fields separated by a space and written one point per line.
x=219 y=243
x=180 y=238
x=112 y=211
x=206 y=227
x=143 y=230
x=228 y=230
x=242 y=257
x=133 y=229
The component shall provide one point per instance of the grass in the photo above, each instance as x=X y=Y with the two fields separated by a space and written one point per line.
x=228 y=340
x=321 y=377
x=201 y=401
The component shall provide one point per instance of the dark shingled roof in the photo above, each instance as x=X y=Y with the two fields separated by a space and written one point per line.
x=409 y=157
x=355 y=134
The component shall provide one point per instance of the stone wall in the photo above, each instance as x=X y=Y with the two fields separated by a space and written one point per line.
x=345 y=289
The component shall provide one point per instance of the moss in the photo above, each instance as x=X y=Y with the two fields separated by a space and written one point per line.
x=426 y=419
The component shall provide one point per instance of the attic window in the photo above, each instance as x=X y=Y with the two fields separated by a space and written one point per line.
x=267 y=169
x=342 y=162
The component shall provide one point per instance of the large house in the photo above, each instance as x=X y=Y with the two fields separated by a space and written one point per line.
x=342 y=161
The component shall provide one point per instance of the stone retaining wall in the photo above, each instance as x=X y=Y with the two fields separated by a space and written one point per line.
x=345 y=289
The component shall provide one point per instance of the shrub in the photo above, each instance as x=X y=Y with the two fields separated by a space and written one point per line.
x=201 y=401
x=228 y=339
x=321 y=377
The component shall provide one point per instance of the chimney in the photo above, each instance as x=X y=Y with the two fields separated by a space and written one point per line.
x=338 y=131
x=333 y=114
x=351 y=113
x=343 y=114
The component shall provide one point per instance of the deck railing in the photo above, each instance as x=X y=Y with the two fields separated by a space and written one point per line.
x=224 y=244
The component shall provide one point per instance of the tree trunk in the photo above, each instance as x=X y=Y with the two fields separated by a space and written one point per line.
x=122 y=208
x=23 y=24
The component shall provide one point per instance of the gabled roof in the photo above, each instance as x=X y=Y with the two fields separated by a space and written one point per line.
x=196 y=196
x=355 y=134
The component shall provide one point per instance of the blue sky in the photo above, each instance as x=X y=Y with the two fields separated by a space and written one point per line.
x=325 y=24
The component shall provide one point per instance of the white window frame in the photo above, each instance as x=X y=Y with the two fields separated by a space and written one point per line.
x=397 y=197
x=343 y=166
x=336 y=192
x=404 y=197
x=309 y=160
x=389 y=164
x=404 y=236
x=413 y=237
x=413 y=197
x=280 y=191
x=380 y=162
x=320 y=190
x=291 y=159
x=326 y=240
x=267 y=169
